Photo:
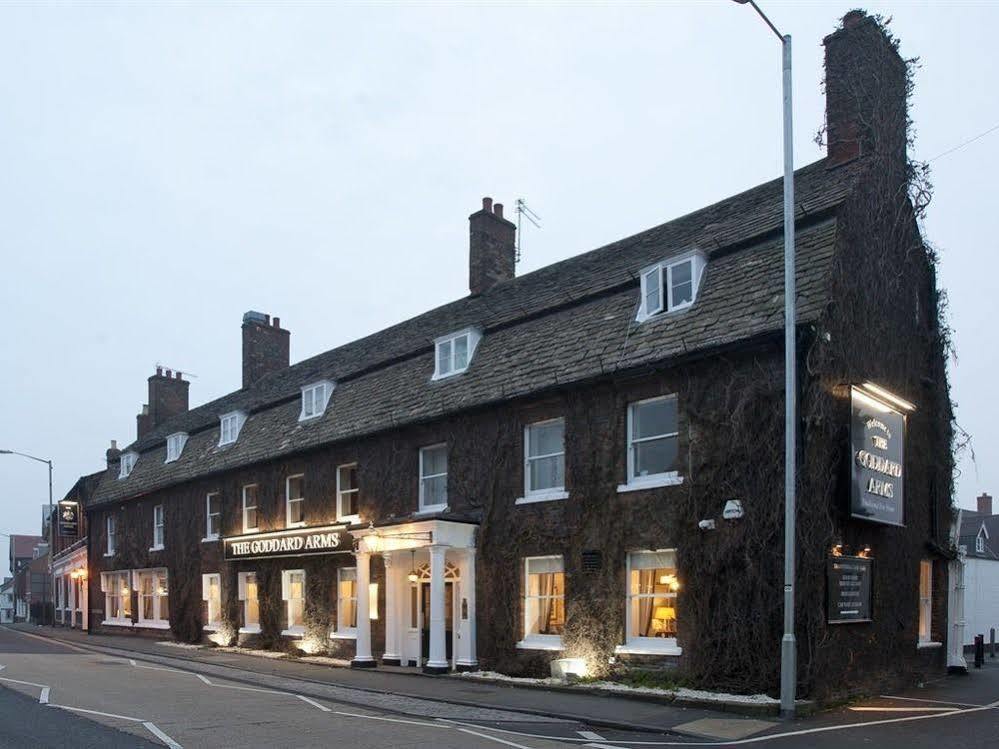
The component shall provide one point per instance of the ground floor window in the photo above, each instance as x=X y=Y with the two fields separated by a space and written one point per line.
x=346 y=600
x=652 y=589
x=251 y=604
x=117 y=597
x=211 y=594
x=293 y=593
x=925 y=599
x=544 y=601
x=154 y=598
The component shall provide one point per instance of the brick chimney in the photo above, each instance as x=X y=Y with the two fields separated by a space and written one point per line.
x=265 y=346
x=492 y=247
x=113 y=455
x=866 y=89
x=985 y=504
x=168 y=397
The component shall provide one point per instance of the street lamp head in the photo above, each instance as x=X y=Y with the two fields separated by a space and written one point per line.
x=6 y=452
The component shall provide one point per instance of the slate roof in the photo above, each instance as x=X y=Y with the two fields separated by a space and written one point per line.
x=570 y=321
x=971 y=524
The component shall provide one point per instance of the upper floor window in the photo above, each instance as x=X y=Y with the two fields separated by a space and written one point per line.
x=213 y=516
x=295 y=503
x=652 y=441
x=347 y=493
x=229 y=426
x=175 y=446
x=433 y=477
x=671 y=285
x=249 y=508
x=127 y=464
x=157 y=527
x=454 y=352
x=544 y=460
x=314 y=399
x=112 y=531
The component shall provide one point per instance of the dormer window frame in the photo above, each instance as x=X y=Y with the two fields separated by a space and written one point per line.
x=175 y=444
x=309 y=410
x=127 y=464
x=447 y=343
x=983 y=535
x=235 y=420
x=657 y=284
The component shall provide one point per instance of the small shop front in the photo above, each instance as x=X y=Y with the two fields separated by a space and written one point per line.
x=69 y=574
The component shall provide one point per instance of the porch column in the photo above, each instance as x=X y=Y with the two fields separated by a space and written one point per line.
x=467 y=659
x=391 y=656
x=362 y=658
x=72 y=600
x=437 y=663
x=85 y=603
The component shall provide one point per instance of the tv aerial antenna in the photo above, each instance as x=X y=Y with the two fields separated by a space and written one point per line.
x=523 y=211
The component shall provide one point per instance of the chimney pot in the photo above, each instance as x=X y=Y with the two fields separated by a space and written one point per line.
x=498 y=209
x=492 y=248
x=177 y=375
x=985 y=504
x=277 y=322
x=487 y=204
x=169 y=373
x=168 y=397
x=159 y=370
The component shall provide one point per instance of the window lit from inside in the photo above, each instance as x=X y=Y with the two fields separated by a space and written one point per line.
x=454 y=352
x=347 y=493
x=117 y=597
x=295 y=489
x=346 y=601
x=544 y=460
x=154 y=598
x=249 y=508
x=293 y=593
x=652 y=597
x=251 y=606
x=211 y=594
x=433 y=478
x=544 y=602
x=925 y=600
x=652 y=441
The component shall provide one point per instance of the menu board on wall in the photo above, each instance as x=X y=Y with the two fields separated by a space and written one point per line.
x=849 y=590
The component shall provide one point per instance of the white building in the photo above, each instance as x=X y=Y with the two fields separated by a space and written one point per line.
x=7 y=601
x=979 y=538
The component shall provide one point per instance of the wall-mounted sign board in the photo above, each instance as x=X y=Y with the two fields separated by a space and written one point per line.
x=849 y=590
x=299 y=542
x=877 y=436
x=69 y=519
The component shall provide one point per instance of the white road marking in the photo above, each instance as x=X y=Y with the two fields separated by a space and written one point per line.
x=312 y=702
x=252 y=689
x=935 y=702
x=2 y=667
x=132 y=661
x=913 y=709
x=97 y=712
x=204 y=679
x=601 y=746
x=43 y=698
x=151 y=727
x=590 y=735
x=497 y=739
x=387 y=720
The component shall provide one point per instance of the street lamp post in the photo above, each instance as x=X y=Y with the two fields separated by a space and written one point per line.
x=788 y=646
x=45 y=588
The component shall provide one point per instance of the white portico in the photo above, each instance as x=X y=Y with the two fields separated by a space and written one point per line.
x=429 y=594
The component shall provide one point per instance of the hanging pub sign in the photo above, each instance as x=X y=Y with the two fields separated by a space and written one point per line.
x=877 y=435
x=69 y=519
x=300 y=542
x=848 y=582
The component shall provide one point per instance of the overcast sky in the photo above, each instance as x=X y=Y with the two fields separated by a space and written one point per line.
x=164 y=168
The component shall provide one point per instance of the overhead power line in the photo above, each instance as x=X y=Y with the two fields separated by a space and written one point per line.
x=966 y=143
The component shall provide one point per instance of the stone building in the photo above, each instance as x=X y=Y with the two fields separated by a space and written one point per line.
x=586 y=460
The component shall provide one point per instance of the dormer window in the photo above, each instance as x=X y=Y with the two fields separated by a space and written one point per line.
x=127 y=464
x=315 y=397
x=454 y=352
x=175 y=446
x=980 y=542
x=230 y=424
x=671 y=285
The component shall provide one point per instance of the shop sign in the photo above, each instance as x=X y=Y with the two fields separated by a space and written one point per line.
x=877 y=435
x=849 y=589
x=299 y=542
x=69 y=519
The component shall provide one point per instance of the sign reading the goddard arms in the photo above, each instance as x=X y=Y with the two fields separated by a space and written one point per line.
x=877 y=435
x=300 y=542
x=69 y=519
x=849 y=590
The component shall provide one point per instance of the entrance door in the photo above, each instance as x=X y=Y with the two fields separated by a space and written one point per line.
x=425 y=620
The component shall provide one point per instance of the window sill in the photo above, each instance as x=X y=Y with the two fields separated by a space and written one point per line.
x=289 y=526
x=542 y=497
x=530 y=644
x=251 y=530
x=650 y=649
x=312 y=417
x=652 y=482
x=253 y=629
x=928 y=645
x=108 y=553
x=430 y=510
x=118 y=623
x=343 y=635
x=153 y=624
x=213 y=627
x=156 y=548
x=209 y=539
x=293 y=632
x=349 y=519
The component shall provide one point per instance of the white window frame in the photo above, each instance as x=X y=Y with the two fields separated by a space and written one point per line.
x=175 y=446
x=157 y=622
x=473 y=335
x=247 y=528
x=424 y=477
x=925 y=621
x=296 y=630
x=206 y=588
x=242 y=578
x=230 y=425
x=980 y=543
x=108 y=588
x=159 y=528
x=288 y=500
x=315 y=398
x=341 y=495
x=645 y=645
x=662 y=274
x=652 y=480
x=534 y=641
x=127 y=464
x=111 y=539
x=209 y=535
x=342 y=629
x=552 y=493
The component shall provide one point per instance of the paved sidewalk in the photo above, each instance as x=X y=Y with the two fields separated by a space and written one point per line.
x=598 y=710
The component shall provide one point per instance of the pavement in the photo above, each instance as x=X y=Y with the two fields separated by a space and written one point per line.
x=162 y=695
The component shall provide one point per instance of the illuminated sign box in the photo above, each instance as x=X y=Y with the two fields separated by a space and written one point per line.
x=69 y=519
x=849 y=590
x=877 y=436
x=300 y=542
